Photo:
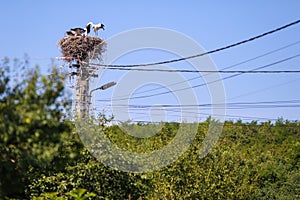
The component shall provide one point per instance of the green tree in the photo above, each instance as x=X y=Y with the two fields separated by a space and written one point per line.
x=32 y=128
x=42 y=157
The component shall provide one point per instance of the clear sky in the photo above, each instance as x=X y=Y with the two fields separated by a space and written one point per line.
x=34 y=27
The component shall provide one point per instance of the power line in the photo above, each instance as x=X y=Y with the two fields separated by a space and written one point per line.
x=142 y=109
x=205 y=114
x=206 y=53
x=35 y=58
x=206 y=71
x=227 y=123
x=228 y=67
x=205 y=84
x=190 y=112
x=277 y=103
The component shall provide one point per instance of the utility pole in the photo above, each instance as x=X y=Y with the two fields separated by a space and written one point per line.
x=83 y=96
x=82 y=90
x=81 y=49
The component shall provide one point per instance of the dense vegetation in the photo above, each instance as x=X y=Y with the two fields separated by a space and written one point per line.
x=41 y=156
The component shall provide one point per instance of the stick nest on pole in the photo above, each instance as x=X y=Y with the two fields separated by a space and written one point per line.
x=81 y=48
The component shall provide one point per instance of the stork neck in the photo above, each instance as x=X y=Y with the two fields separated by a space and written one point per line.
x=88 y=28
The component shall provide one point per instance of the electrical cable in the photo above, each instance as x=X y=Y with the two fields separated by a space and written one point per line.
x=228 y=67
x=208 y=52
x=205 y=84
x=210 y=71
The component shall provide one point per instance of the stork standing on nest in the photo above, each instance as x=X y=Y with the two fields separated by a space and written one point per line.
x=87 y=29
x=96 y=27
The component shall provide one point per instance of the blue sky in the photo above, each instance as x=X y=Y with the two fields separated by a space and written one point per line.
x=34 y=27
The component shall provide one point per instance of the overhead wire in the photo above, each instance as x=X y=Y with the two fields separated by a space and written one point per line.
x=205 y=53
x=294 y=102
x=201 y=114
x=228 y=67
x=211 y=82
x=143 y=109
x=219 y=71
x=190 y=109
x=210 y=52
x=210 y=71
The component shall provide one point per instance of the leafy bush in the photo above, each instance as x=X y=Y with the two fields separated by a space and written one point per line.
x=32 y=129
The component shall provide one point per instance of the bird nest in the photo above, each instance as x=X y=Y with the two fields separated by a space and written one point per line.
x=81 y=48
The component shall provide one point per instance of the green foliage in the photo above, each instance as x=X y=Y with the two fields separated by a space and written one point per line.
x=31 y=129
x=250 y=161
x=104 y=182
x=164 y=134
x=42 y=157
x=78 y=194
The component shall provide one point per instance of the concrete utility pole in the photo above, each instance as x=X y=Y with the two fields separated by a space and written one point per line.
x=82 y=91
x=83 y=96
x=81 y=49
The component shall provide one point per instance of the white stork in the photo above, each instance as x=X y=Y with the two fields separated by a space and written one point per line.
x=96 y=27
x=87 y=29
x=70 y=33
x=79 y=31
